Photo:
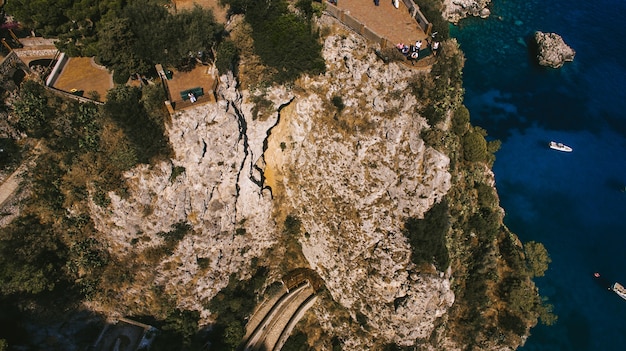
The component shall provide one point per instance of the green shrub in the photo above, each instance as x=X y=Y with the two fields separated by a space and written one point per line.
x=32 y=109
x=283 y=40
x=297 y=342
x=233 y=305
x=474 y=147
x=537 y=258
x=460 y=120
x=428 y=236
x=176 y=171
x=338 y=103
x=227 y=57
x=145 y=131
x=10 y=154
x=292 y=225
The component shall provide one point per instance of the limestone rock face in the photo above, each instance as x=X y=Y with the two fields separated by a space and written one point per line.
x=456 y=10
x=552 y=50
x=219 y=194
x=353 y=177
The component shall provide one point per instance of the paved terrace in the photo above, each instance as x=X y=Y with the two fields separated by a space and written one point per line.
x=397 y=25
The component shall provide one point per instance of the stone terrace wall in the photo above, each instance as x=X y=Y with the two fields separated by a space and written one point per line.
x=10 y=63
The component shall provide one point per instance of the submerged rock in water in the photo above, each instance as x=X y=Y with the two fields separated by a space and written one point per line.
x=552 y=50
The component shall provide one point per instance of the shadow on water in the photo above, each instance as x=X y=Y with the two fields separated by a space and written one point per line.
x=578 y=330
x=616 y=184
x=602 y=282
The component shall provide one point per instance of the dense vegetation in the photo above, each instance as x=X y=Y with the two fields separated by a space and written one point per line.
x=233 y=305
x=132 y=36
x=496 y=300
x=285 y=41
x=52 y=247
x=126 y=36
x=432 y=10
x=428 y=236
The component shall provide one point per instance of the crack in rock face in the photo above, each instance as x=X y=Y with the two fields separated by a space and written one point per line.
x=217 y=194
x=353 y=179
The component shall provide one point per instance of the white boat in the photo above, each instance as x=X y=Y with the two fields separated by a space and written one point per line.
x=619 y=290
x=560 y=146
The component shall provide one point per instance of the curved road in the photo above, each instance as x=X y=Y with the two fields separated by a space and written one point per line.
x=278 y=321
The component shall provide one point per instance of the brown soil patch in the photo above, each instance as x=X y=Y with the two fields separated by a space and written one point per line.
x=219 y=12
x=82 y=73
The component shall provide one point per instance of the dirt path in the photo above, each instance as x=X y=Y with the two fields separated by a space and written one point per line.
x=10 y=185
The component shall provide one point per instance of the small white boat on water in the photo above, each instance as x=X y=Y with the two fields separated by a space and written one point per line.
x=560 y=146
x=619 y=290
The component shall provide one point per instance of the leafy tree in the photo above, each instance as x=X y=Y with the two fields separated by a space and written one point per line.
x=10 y=154
x=178 y=329
x=46 y=16
x=32 y=109
x=288 y=45
x=432 y=10
x=284 y=41
x=143 y=33
x=460 y=120
x=227 y=56
x=233 y=305
x=116 y=49
x=297 y=342
x=306 y=7
x=537 y=258
x=31 y=257
x=146 y=136
x=474 y=146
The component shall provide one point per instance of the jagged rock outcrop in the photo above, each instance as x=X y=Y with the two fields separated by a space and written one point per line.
x=552 y=50
x=456 y=10
x=352 y=177
x=219 y=194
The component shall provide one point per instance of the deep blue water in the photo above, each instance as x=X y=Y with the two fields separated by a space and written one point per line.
x=571 y=202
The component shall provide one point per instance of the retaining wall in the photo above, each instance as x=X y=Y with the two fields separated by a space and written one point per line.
x=56 y=71
x=72 y=96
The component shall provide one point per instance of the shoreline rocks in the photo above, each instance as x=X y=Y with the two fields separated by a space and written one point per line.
x=552 y=50
x=456 y=10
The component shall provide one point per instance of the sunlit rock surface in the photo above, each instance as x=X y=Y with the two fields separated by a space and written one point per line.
x=552 y=50
x=352 y=177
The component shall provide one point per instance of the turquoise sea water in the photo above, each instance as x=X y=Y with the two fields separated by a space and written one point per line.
x=572 y=202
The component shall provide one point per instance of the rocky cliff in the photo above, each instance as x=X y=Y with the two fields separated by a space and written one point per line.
x=552 y=50
x=351 y=176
